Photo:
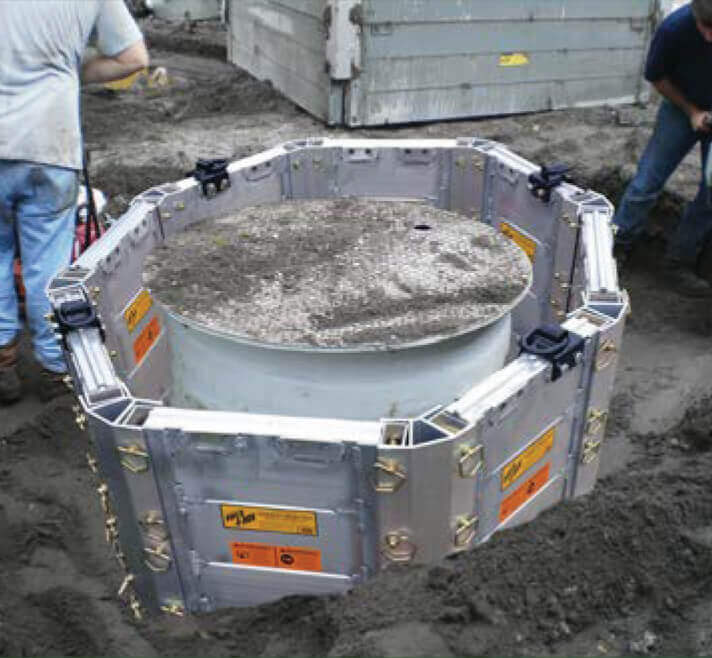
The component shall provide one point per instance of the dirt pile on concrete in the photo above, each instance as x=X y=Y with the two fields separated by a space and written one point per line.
x=340 y=272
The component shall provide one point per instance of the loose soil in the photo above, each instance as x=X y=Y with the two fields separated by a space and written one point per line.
x=340 y=273
x=624 y=571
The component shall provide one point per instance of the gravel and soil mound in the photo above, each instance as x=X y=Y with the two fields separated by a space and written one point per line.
x=340 y=272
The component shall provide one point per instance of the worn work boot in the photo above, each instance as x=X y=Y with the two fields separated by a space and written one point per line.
x=53 y=385
x=10 y=387
x=685 y=281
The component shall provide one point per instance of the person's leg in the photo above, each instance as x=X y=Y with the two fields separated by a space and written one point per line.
x=10 y=387
x=46 y=219
x=671 y=141
x=696 y=222
x=9 y=311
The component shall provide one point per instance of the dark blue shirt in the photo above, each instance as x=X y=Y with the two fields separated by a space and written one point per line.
x=679 y=53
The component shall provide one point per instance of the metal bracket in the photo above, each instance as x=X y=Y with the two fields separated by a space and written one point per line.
x=595 y=422
x=134 y=459
x=606 y=354
x=555 y=344
x=212 y=175
x=77 y=314
x=398 y=547
x=466 y=530
x=158 y=554
x=549 y=178
x=471 y=461
x=590 y=450
x=393 y=471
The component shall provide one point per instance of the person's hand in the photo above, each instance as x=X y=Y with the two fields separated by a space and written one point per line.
x=701 y=121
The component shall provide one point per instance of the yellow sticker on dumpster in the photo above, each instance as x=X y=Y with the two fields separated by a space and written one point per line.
x=515 y=468
x=526 y=244
x=269 y=519
x=137 y=309
x=513 y=59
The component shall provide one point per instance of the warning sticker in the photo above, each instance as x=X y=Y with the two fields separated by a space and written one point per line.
x=526 y=244
x=513 y=59
x=269 y=519
x=146 y=338
x=137 y=309
x=276 y=557
x=515 y=468
x=523 y=493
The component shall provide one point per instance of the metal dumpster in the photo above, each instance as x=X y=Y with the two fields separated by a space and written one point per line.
x=376 y=62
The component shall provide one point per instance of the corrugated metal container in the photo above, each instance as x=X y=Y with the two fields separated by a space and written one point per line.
x=377 y=62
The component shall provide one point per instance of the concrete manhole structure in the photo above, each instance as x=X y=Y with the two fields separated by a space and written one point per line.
x=238 y=463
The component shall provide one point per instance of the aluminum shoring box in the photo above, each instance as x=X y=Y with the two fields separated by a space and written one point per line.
x=216 y=508
x=377 y=62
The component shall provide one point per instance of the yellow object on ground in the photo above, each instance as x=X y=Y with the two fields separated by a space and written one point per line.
x=142 y=78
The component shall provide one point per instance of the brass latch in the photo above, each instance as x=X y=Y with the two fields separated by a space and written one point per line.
x=596 y=422
x=388 y=476
x=134 y=458
x=590 y=450
x=472 y=460
x=606 y=354
x=466 y=530
x=158 y=560
x=398 y=547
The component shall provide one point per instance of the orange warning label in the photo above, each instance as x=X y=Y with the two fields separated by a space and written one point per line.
x=146 y=338
x=525 y=243
x=523 y=493
x=276 y=557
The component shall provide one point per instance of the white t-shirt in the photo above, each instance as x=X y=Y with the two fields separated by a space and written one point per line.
x=41 y=48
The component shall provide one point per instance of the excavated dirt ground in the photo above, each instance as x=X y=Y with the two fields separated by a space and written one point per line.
x=626 y=570
x=340 y=273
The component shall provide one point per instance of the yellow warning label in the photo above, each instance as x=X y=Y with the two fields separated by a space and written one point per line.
x=269 y=519
x=514 y=469
x=137 y=309
x=513 y=59
x=526 y=244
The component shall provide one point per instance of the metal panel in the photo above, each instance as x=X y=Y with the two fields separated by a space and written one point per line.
x=428 y=61
x=283 y=42
x=383 y=11
x=200 y=471
x=219 y=371
x=397 y=490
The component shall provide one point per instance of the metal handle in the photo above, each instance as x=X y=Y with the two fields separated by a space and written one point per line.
x=391 y=469
x=158 y=553
x=398 y=547
x=471 y=461
x=466 y=530
x=606 y=355
x=136 y=459
x=596 y=422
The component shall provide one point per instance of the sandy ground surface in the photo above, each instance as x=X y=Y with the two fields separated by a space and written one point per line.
x=624 y=571
x=340 y=273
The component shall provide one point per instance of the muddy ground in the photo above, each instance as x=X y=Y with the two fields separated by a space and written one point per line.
x=624 y=571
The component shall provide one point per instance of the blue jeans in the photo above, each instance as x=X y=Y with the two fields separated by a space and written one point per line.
x=41 y=201
x=672 y=140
